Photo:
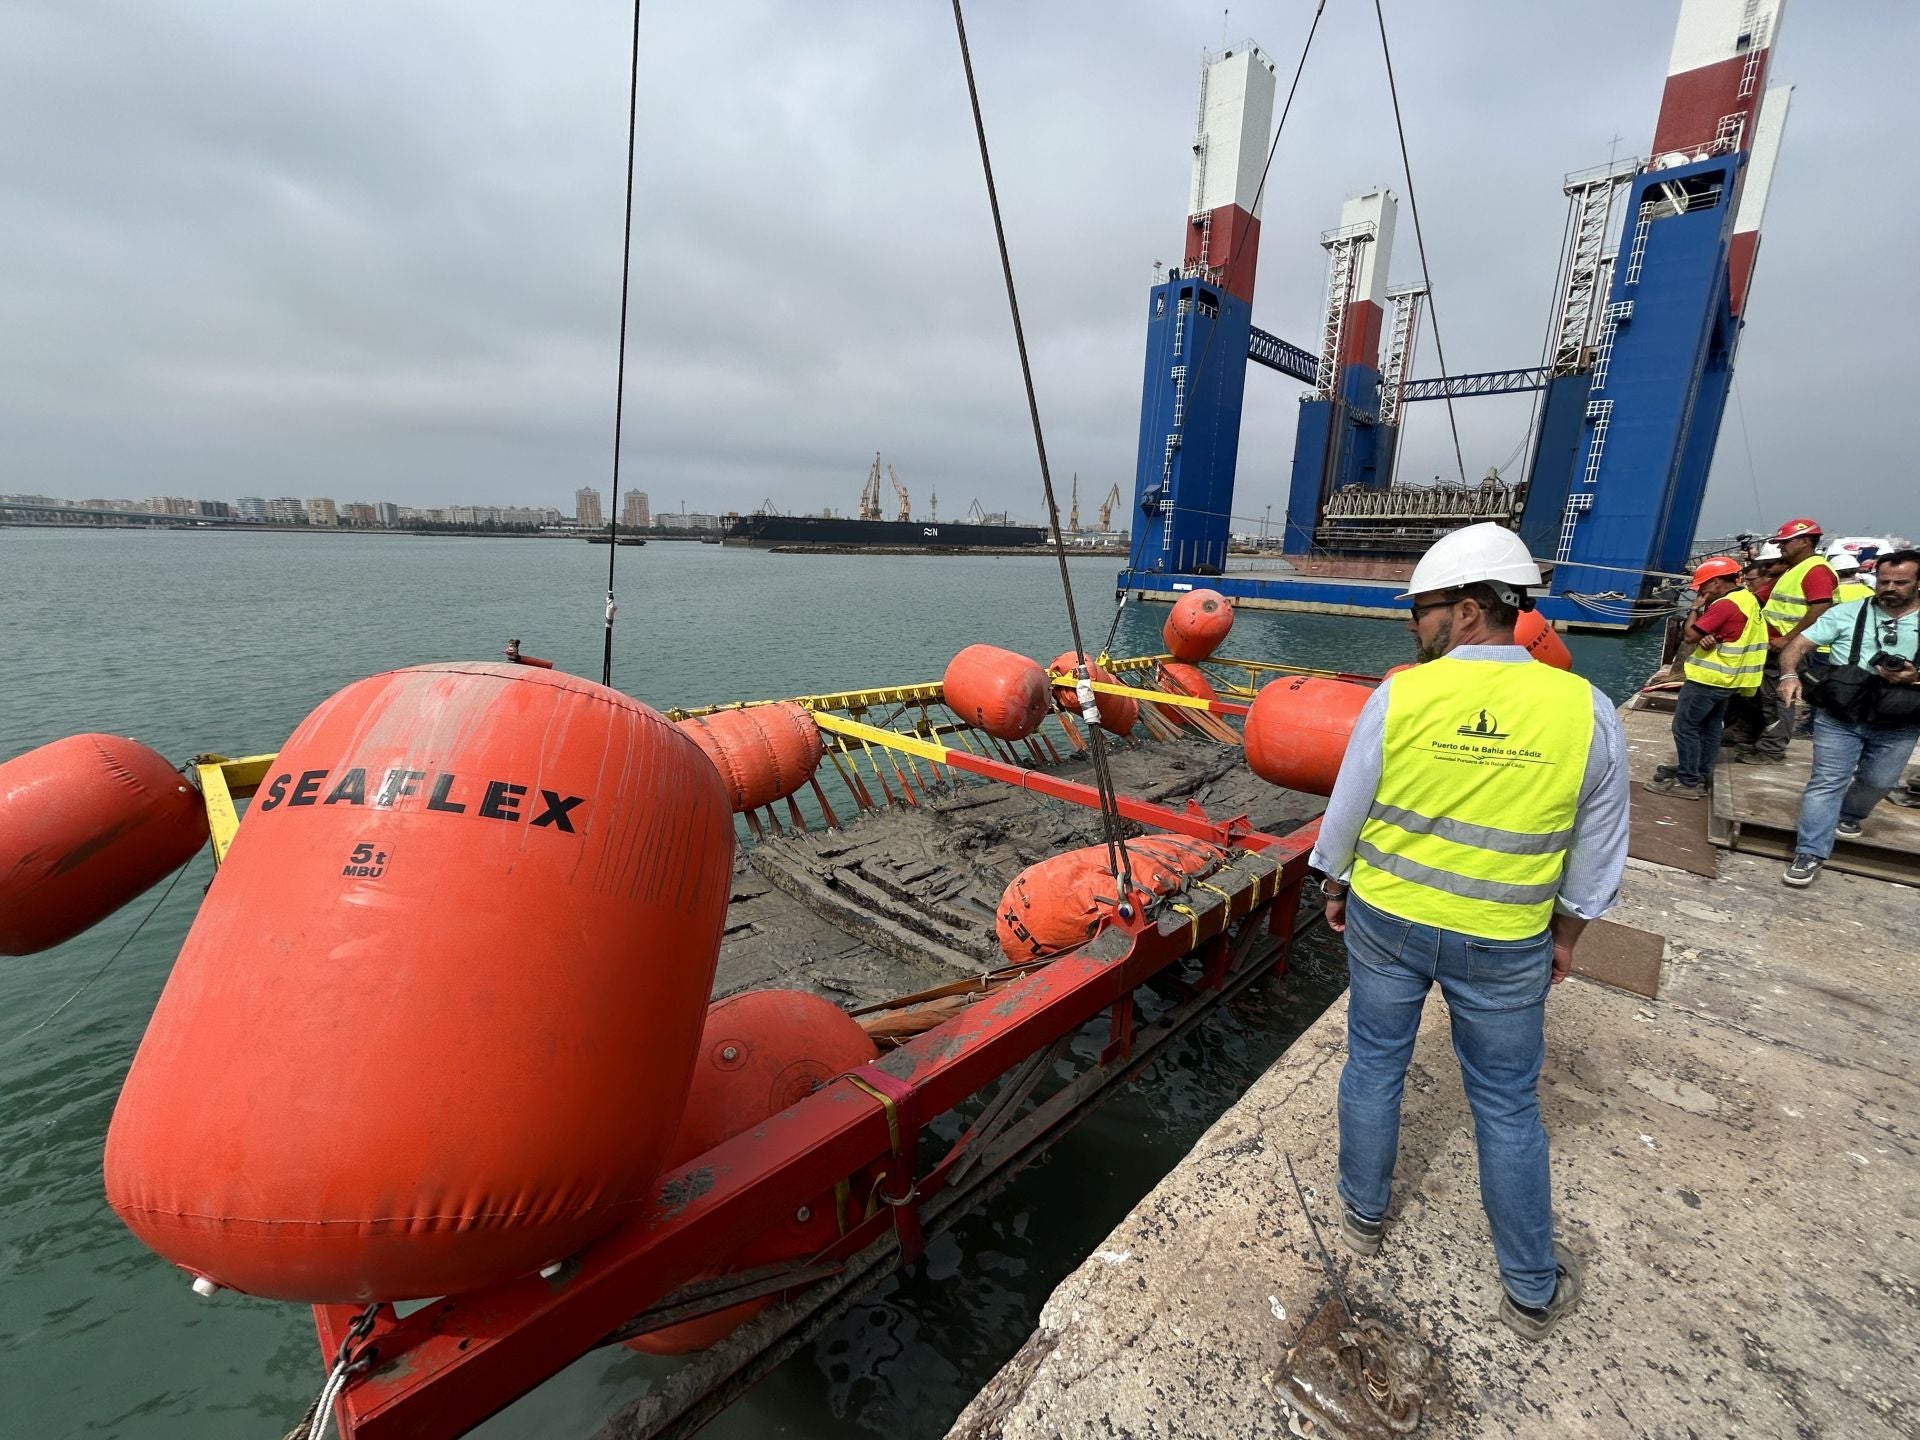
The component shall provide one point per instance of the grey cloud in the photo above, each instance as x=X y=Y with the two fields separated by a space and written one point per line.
x=372 y=251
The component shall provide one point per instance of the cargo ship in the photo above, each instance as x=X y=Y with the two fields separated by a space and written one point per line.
x=766 y=531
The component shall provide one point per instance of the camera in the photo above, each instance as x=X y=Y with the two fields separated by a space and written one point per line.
x=1886 y=659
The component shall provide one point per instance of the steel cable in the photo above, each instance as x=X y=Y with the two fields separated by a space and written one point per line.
x=620 y=370
x=1420 y=243
x=1103 y=777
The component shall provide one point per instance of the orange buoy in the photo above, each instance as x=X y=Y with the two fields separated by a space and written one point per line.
x=1062 y=902
x=1118 y=713
x=1297 y=731
x=763 y=752
x=1198 y=622
x=1183 y=680
x=86 y=824
x=1543 y=642
x=1003 y=693
x=759 y=1053
x=435 y=1021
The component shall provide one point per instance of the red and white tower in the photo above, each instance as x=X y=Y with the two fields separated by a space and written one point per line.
x=1229 y=154
x=1717 y=101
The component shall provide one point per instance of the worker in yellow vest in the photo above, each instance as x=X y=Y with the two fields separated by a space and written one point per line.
x=1798 y=598
x=1846 y=569
x=1478 y=823
x=1729 y=640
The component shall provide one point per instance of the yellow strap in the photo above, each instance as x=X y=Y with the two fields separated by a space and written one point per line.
x=886 y=1101
x=873 y=734
x=1225 y=895
x=1193 y=916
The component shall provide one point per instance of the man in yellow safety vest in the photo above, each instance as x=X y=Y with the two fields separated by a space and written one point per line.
x=1730 y=650
x=1478 y=823
x=1847 y=569
x=1797 y=599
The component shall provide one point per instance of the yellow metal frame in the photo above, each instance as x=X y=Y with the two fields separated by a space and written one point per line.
x=223 y=783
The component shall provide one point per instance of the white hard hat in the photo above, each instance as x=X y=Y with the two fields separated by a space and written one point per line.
x=1768 y=551
x=1841 y=558
x=1484 y=552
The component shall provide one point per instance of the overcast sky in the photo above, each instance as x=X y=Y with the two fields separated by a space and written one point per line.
x=371 y=251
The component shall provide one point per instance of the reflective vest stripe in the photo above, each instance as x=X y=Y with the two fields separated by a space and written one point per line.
x=1455 y=883
x=1482 y=762
x=1737 y=666
x=1483 y=837
x=1788 y=602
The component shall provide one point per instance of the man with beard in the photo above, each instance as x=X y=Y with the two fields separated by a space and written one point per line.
x=1857 y=757
x=1478 y=823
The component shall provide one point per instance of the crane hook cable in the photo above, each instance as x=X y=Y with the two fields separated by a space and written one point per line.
x=1419 y=240
x=620 y=372
x=1103 y=778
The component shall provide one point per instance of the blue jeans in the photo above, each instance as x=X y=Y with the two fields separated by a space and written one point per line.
x=1854 y=766
x=1496 y=993
x=1699 y=714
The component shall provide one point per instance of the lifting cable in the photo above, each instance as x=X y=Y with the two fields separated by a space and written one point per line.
x=1103 y=777
x=620 y=372
x=1413 y=204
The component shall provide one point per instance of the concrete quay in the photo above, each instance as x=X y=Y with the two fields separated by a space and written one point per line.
x=1736 y=1161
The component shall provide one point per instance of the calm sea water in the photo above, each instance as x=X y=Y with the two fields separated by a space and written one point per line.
x=195 y=641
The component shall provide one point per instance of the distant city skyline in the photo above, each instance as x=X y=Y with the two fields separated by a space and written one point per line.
x=326 y=512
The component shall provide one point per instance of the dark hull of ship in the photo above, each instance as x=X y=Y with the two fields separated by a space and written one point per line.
x=765 y=530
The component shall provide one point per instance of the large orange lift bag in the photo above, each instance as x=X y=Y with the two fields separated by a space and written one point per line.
x=86 y=824
x=435 y=1023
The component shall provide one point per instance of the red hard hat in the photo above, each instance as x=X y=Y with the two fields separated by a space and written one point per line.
x=1802 y=526
x=1715 y=568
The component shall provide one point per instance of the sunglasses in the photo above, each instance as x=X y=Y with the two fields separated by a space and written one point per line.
x=1419 y=610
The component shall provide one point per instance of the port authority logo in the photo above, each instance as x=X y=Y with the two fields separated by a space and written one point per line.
x=444 y=792
x=1478 y=739
x=1482 y=727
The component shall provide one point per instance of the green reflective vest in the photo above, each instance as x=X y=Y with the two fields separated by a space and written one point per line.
x=1734 y=665
x=1788 y=602
x=1480 y=775
x=1852 y=590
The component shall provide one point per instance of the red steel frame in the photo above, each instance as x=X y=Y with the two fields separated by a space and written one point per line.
x=446 y=1367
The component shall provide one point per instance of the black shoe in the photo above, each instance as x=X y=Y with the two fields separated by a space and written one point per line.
x=1362 y=1235
x=1536 y=1322
x=1761 y=757
x=1802 y=871
x=1847 y=830
x=1906 y=799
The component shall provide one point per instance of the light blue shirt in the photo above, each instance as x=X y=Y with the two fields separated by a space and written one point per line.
x=1596 y=859
x=1835 y=628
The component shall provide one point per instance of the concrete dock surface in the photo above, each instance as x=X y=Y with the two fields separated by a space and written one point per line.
x=1736 y=1162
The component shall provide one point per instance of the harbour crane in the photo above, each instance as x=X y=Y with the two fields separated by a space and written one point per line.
x=975 y=515
x=906 y=509
x=1106 y=509
x=870 y=495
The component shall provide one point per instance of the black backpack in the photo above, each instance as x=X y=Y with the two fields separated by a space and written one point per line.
x=1854 y=692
